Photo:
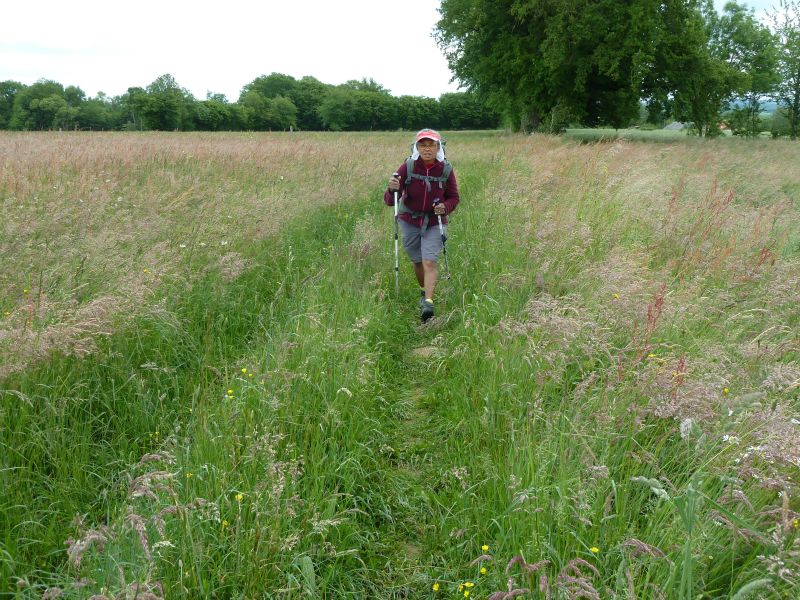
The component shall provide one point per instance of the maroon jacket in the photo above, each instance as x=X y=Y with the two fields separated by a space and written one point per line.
x=416 y=197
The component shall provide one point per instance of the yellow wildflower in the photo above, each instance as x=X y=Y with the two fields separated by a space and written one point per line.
x=244 y=370
x=225 y=523
x=725 y=390
x=435 y=587
x=616 y=296
x=594 y=549
x=485 y=548
x=230 y=392
x=239 y=497
x=466 y=594
x=469 y=584
x=189 y=474
x=483 y=570
x=796 y=523
x=461 y=588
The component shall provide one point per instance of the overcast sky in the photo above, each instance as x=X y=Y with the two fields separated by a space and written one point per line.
x=759 y=6
x=110 y=46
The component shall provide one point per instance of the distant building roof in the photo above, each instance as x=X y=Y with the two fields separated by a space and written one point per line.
x=676 y=125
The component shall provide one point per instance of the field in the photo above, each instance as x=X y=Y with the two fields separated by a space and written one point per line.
x=209 y=388
x=609 y=135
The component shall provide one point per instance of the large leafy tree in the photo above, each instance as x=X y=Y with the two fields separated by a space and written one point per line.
x=592 y=61
x=8 y=91
x=284 y=113
x=786 y=25
x=266 y=102
x=265 y=114
x=95 y=113
x=365 y=85
x=531 y=58
x=750 y=51
x=212 y=115
x=132 y=105
x=271 y=86
x=307 y=96
x=36 y=106
x=495 y=49
x=681 y=80
x=167 y=106
x=337 y=110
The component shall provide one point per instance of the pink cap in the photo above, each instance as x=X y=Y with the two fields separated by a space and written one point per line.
x=430 y=134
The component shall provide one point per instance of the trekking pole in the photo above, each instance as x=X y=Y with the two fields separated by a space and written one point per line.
x=396 y=255
x=444 y=239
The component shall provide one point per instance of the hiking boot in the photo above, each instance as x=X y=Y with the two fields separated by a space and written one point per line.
x=427 y=310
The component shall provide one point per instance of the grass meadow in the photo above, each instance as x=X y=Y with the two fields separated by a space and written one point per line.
x=209 y=388
x=610 y=135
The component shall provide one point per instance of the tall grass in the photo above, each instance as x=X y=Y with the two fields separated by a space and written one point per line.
x=605 y=405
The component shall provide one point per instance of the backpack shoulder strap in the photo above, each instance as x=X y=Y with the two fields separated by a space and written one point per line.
x=448 y=168
x=409 y=170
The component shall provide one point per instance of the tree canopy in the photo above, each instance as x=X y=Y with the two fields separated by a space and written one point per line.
x=547 y=63
x=786 y=25
x=274 y=102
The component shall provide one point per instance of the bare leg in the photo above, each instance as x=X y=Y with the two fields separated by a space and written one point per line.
x=420 y=273
x=429 y=277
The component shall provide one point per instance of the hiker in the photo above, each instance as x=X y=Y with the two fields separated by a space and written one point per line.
x=428 y=192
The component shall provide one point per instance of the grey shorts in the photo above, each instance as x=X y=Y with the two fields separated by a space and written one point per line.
x=420 y=244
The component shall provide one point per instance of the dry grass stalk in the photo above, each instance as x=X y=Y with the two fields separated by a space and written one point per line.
x=76 y=549
x=139 y=525
x=148 y=484
x=639 y=548
x=577 y=585
x=481 y=558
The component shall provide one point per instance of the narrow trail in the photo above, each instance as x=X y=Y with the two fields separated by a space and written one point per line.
x=413 y=466
x=418 y=475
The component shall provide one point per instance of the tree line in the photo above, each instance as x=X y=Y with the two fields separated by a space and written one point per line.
x=545 y=64
x=274 y=102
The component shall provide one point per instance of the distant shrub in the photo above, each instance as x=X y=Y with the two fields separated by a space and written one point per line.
x=779 y=125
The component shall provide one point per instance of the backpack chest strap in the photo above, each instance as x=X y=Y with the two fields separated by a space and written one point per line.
x=442 y=180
